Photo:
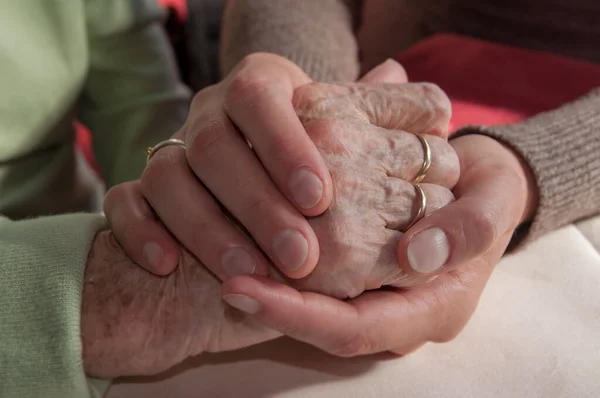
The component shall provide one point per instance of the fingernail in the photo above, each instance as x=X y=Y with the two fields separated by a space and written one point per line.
x=242 y=302
x=238 y=261
x=153 y=253
x=306 y=188
x=291 y=249
x=428 y=251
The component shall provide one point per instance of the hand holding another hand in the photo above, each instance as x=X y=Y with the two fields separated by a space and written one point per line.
x=495 y=193
x=357 y=236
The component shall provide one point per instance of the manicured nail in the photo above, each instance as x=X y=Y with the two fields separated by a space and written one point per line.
x=428 y=251
x=242 y=302
x=306 y=188
x=291 y=249
x=153 y=253
x=238 y=261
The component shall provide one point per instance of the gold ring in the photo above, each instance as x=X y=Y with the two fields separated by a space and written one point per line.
x=426 y=160
x=153 y=149
x=422 y=206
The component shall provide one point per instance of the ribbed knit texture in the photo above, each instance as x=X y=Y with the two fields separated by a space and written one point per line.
x=319 y=29
x=562 y=146
x=41 y=280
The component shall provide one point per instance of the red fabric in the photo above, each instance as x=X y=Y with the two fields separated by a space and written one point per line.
x=492 y=84
x=178 y=5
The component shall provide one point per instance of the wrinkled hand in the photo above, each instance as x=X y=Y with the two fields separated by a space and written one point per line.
x=371 y=168
x=495 y=193
x=135 y=323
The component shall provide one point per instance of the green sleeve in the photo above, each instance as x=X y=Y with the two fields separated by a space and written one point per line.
x=42 y=263
x=133 y=97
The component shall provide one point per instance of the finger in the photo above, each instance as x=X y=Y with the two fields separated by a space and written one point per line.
x=196 y=220
x=401 y=204
x=418 y=108
x=389 y=71
x=373 y=322
x=222 y=160
x=259 y=101
x=400 y=154
x=486 y=209
x=140 y=234
x=444 y=168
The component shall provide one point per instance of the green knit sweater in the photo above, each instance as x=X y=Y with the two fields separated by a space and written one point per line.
x=107 y=64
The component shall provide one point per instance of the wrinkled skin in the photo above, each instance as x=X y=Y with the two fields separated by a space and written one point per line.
x=370 y=167
x=136 y=323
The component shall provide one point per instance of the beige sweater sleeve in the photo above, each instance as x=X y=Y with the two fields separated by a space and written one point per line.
x=318 y=35
x=562 y=148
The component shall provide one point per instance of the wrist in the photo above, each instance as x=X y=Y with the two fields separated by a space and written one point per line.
x=116 y=324
x=531 y=197
x=478 y=152
x=136 y=323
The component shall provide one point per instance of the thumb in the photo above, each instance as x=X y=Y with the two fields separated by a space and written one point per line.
x=389 y=71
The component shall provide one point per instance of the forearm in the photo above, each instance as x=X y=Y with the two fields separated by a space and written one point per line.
x=562 y=148
x=317 y=35
x=42 y=262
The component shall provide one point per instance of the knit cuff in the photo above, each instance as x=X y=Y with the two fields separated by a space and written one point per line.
x=42 y=264
x=562 y=147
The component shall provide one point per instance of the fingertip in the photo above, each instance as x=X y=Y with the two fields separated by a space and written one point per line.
x=295 y=251
x=169 y=261
x=428 y=251
x=306 y=188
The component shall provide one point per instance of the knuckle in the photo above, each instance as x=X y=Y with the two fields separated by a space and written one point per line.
x=155 y=175
x=202 y=97
x=115 y=195
x=481 y=223
x=322 y=131
x=438 y=197
x=246 y=86
x=447 y=334
x=446 y=158
x=352 y=346
x=260 y=205
x=445 y=328
x=438 y=99
x=205 y=141
x=198 y=234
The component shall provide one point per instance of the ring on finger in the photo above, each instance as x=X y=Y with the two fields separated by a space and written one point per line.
x=426 y=160
x=422 y=206
x=153 y=149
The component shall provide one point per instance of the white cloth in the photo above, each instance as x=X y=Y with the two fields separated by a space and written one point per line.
x=536 y=333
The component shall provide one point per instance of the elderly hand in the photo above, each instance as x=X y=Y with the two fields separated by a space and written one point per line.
x=494 y=194
x=371 y=169
x=136 y=323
